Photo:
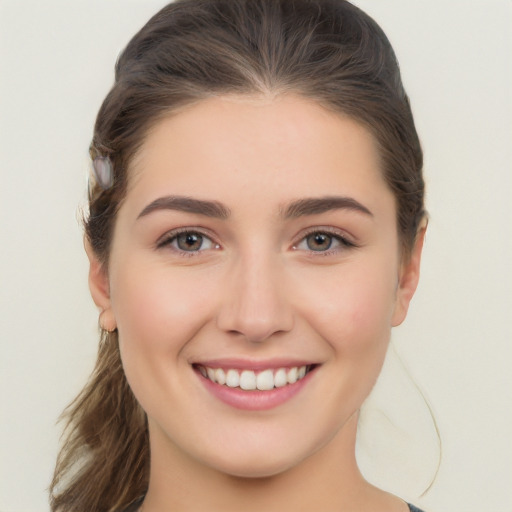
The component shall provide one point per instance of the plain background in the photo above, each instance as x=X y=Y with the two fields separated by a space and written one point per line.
x=56 y=65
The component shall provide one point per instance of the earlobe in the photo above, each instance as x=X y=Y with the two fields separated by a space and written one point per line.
x=408 y=280
x=100 y=288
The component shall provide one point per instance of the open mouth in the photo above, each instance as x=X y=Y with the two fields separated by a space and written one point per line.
x=250 y=380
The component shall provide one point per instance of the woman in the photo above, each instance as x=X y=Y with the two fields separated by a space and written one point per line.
x=255 y=231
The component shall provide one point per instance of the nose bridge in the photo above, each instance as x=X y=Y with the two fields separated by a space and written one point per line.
x=255 y=304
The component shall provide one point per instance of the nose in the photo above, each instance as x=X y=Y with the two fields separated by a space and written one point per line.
x=255 y=302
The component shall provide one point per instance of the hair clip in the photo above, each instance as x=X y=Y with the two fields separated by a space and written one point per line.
x=103 y=171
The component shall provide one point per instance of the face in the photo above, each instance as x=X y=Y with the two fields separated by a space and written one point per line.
x=254 y=278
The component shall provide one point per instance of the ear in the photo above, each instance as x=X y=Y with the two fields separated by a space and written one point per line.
x=408 y=279
x=100 y=288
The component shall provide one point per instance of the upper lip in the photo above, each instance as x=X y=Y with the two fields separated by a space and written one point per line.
x=244 y=364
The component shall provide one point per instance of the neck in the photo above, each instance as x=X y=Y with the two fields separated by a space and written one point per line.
x=327 y=480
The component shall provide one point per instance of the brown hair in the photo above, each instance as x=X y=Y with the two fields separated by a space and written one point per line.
x=325 y=50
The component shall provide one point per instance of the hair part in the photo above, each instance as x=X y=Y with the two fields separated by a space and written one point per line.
x=328 y=51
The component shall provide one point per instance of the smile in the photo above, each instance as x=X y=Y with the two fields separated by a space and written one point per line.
x=254 y=387
x=249 y=380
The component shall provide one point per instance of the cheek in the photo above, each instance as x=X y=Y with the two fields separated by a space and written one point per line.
x=352 y=307
x=159 y=309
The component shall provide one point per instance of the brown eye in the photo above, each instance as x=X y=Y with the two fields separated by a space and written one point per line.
x=324 y=243
x=319 y=241
x=189 y=241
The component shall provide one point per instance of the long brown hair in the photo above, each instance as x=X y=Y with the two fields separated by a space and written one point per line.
x=325 y=50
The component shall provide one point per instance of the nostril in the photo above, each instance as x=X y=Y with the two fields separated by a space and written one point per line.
x=254 y=303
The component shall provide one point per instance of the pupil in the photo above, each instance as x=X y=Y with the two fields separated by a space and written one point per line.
x=319 y=242
x=190 y=241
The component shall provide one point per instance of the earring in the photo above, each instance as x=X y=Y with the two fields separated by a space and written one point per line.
x=107 y=321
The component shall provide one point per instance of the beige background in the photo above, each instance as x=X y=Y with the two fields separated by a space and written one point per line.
x=56 y=64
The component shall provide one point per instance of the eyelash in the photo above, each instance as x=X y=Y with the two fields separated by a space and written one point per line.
x=335 y=235
x=170 y=238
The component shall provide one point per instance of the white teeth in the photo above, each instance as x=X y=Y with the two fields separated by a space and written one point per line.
x=292 y=375
x=232 y=379
x=265 y=380
x=220 y=376
x=249 y=380
x=280 y=378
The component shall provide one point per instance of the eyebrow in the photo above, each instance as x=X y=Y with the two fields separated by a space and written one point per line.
x=187 y=204
x=298 y=208
x=315 y=206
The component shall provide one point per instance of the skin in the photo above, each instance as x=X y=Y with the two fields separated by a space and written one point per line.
x=256 y=291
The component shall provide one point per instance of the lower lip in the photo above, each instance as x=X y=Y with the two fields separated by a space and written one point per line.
x=255 y=400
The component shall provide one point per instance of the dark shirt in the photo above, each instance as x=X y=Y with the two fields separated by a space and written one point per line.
x=135 y=506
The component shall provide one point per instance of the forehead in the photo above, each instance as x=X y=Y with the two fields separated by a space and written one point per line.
x=276 y=148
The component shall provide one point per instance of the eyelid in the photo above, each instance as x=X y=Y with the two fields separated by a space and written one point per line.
x=165 y=240
x=342 y=236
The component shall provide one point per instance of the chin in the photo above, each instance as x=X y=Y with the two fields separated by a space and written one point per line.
x=263 y=464
x=254 y=470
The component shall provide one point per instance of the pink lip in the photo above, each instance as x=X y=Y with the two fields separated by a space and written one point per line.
x=254 y=400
